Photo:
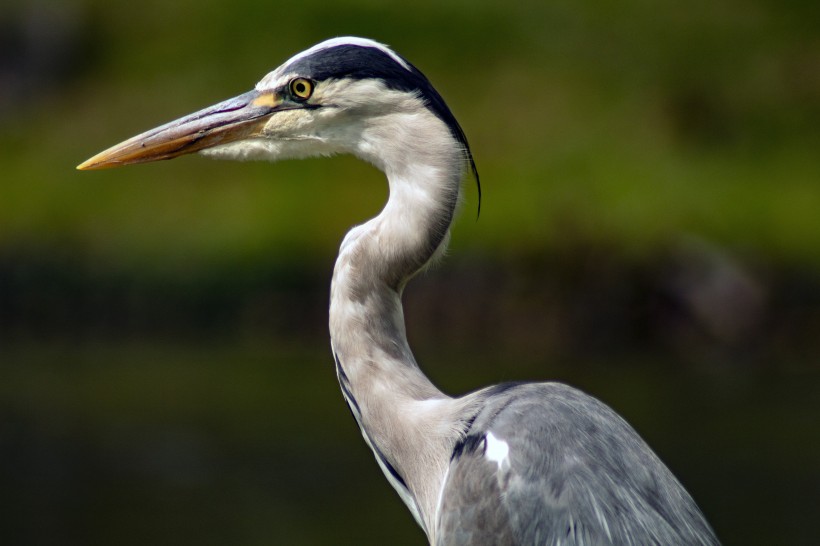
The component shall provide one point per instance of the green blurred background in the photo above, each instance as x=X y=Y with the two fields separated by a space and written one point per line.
x=650 y=232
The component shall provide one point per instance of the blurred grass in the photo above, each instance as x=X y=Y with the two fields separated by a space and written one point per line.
x=632 y=124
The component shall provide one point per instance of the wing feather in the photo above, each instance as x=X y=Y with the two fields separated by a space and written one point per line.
x=576 y=474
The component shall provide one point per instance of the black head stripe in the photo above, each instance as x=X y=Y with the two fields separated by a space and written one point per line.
x=354 y=61
x=364 y=62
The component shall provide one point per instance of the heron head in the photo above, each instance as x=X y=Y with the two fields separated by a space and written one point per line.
x=344 y=95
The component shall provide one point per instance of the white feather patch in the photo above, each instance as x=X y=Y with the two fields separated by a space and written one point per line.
x=496 y=450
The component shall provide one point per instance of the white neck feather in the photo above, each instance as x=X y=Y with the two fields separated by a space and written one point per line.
x=398 y=408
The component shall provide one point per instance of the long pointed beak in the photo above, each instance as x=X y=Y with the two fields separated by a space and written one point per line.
x=234 y=119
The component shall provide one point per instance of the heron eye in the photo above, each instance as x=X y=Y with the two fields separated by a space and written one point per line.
x=301 y=88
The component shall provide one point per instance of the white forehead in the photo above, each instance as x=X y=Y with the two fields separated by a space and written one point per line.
x=272 y=79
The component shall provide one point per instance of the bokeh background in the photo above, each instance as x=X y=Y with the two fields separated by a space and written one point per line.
x=649 y=232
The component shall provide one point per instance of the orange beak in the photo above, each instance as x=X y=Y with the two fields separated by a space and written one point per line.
x=234 y=119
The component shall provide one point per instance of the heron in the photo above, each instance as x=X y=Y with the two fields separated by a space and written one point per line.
x=522 y=463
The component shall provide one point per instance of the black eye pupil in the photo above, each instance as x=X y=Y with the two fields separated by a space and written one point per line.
x=301 y=88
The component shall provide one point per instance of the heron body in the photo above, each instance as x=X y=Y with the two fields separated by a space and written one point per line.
x=512 y=464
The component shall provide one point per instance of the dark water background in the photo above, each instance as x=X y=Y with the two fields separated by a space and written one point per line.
x=180 y=418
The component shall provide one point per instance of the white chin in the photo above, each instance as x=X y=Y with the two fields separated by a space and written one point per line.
x=246 y=150
x=268 y=150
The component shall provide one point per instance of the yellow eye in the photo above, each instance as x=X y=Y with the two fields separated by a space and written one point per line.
x=301 y=88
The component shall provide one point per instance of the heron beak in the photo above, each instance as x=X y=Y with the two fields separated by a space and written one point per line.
x=234 y=119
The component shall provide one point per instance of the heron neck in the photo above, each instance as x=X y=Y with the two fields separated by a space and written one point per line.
x=375 y=262
x=400 y=411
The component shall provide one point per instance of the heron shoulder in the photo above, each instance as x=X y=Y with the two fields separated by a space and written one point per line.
x=545 y=463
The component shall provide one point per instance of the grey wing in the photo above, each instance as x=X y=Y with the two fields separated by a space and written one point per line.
x=547 y=464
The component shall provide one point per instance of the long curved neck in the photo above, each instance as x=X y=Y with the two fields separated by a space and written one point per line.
x=375 y=261
x=392 y=400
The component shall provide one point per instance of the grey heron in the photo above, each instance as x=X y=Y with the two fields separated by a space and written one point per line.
x=510 y=464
